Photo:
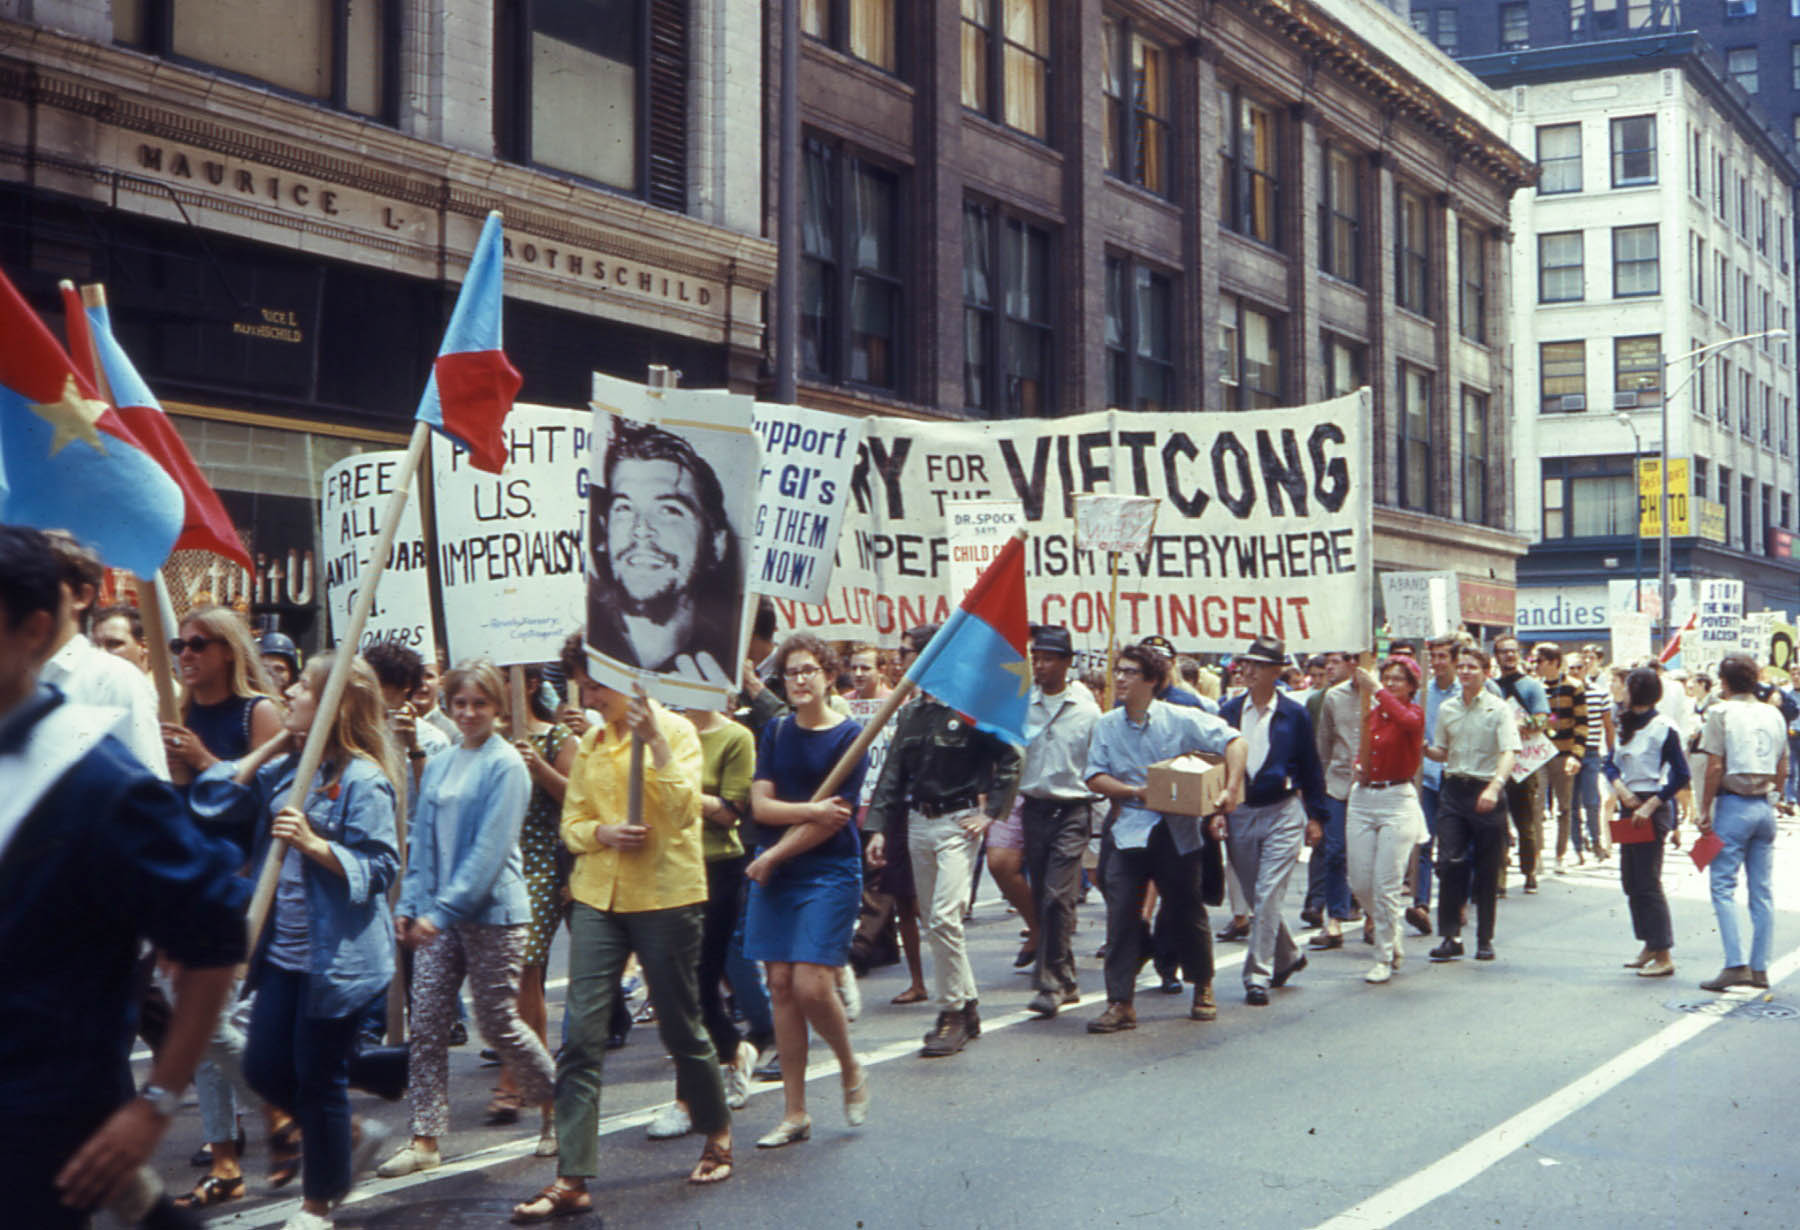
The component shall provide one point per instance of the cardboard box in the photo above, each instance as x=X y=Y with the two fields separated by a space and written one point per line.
x=1185 y=786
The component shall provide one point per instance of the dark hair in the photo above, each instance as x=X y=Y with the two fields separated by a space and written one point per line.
x=919 y=637
x=635 y=441
x=1189 y=668
x=1642 y=687
x=1551 y=650
x=134 y=619
x=535 y=695
x=572 y=657
x=806 y=642
x=30 y=574
x=1474 y=651
x=1150 y=663
x=762 y=625
x=396 y=666
x=1738 y=672
x=1504 y=637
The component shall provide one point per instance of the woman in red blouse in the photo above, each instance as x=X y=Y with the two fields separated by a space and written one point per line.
x=1384 y=822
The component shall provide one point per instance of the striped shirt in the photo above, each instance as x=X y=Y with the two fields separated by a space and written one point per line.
x=1568 y=715
x=1599 y=704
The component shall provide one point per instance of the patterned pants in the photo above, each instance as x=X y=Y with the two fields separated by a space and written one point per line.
x=491 y=957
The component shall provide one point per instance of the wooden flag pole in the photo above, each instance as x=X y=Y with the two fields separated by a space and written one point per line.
x=847 y=762
x=521 y=708
x=168 y=708
x=348 y=638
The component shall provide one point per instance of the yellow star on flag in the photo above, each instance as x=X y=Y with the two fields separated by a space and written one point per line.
x=73 y=416
x=1022 y=669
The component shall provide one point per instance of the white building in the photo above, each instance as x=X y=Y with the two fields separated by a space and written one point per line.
x=1662 y=223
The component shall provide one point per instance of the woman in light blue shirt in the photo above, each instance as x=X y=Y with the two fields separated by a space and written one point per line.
x=464 y=909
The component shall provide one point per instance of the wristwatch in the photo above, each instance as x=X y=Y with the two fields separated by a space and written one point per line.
x=165 y=1102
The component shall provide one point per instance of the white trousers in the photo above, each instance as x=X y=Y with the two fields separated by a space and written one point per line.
x=1381 y=831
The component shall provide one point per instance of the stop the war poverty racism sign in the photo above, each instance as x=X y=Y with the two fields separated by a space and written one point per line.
x=1265 y=526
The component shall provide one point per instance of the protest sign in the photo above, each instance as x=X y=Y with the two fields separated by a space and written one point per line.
x=977 y=530
x=863 y=711
x=1757 y=632
x=671 y=499
x=1268 y=530
x=1782 y=639
x=510 y=555
x=1114 y=522
x=355 y=495
x=1421 y=605
x=808 y=456
x=1535 y=748
x=1718 y=627
x=1630 y=637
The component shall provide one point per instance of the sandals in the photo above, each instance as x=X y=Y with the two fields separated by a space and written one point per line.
x=714 y=1166
x=558 y=1200
x=211 y=1190
x=284 y=1154
x=912 y=995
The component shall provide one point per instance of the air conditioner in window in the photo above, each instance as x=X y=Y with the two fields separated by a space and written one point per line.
x=1625 y=401
x=1572 y=402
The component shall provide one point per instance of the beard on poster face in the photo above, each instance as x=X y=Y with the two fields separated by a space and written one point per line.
x=656 y=539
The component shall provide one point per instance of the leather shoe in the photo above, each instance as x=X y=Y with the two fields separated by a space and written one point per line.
x=1639 y=961
x=1256 y=997
x=1043 y=1005
x=1282 y=975
x=1234 y=930
x=1326 y=939
x=1312 y=916
x=1661 y=967
x=1730 y=976
x=1027 y=957
x=1484 y=952
x=1450 y=950
x=1418 y=919
x=1116 y=1017
x=1759 y=978
x=949 y=1036
x=1171 y=985
x=1205 y=1007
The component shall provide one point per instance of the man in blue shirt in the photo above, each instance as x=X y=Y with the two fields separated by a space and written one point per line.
x=1439 y=687
x=1141 y=845
x=1524 y=799
x=1264 y=834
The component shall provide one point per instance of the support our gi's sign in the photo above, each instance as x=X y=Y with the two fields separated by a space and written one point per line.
x=1266 y=528
x=354 y=497
x=510 y=548
x=808 y=456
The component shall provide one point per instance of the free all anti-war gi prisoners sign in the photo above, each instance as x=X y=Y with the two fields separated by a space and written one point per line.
x=355 y=495
x=1265 y=526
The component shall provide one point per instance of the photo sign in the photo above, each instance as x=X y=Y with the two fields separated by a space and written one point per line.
x=510 y=547
x=352 y=504
x=977 y=531
x=1421 y=605
x=672 y=492
x=1114 y=522
x=1268 y=528
x=1718 y=629
x=808 y=456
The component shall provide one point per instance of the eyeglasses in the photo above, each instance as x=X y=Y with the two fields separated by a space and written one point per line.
x=1130 y=672
x=800 y=672
x=193 y=644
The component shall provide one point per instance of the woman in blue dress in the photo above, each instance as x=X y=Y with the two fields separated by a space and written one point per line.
x=806 y=880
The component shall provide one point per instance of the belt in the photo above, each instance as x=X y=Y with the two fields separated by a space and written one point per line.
x=931 y=810
x=1400 y=781
x=1468 y=779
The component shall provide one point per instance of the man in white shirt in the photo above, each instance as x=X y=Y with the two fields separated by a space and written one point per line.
x=87 y=675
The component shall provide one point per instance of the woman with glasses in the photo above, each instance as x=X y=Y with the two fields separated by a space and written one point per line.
x=806 y=880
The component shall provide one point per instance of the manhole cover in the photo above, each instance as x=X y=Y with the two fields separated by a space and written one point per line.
x=455 y=1215
x=1738 y=1009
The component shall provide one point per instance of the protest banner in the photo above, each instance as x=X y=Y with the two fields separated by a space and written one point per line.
x=1268 y=530
x=808 y=458
x=1535 y=748
x=1114 y=522
x=1758 y=632
x=510 y=555
x=355 y=494
x=1630 y=637
x=976 y=530
x=1421 y=605
x=671 y=499
x=1717 y=626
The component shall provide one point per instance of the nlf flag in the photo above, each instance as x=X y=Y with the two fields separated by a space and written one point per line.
x=67 y=460
x=206 y=526
x=472 y=386
x=977 y=662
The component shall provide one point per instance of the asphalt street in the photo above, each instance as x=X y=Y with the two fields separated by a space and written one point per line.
x=1549 y=1088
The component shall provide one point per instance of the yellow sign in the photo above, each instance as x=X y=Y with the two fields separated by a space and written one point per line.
x=1712 y=520
x=1680 y=505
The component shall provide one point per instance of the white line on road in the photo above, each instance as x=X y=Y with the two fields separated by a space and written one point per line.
x=1453 y=1170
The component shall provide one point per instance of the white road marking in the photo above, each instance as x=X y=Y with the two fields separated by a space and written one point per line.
x=1453 y=1170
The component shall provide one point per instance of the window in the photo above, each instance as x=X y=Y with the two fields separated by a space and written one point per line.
x=849 y=239
x=1415 y=439
x=1634 y=151
x=1515 y=27
x=1636 y=267
x=1794 y=66
x=342 y=53
x=1765 y=434
x=1562 y=377
x=1768 y=514
x=1787 y=510
x=1740 y=63
x=1698 y=163
x=1787 y=438
x=1781 y=240
x=1345 y=366
x=1559 y=158
x=1140 y=336
x=1743 y=210
x=1637 y=371
x=1007 y=331
x=1763 y=321
x=1412 y=249
x=1748 y=534
x=1252 y=370
x=1589 y=497
x=1739 y=8
x=1701 y=377
x=1474 y=457
x=1471 y=251
x=1747 y=403
x=1136 y=141
x=1560 y=267
x=1719 y=181
x=1762 y=224
x=1722 y=301
x=1249 y=183
x=1725 y=498
x=861 y=28
x=1006 y=66
x=1445 y=37
x=1340 y=216
x=1785 y=334
x=1698 y=273
x=1724 y=390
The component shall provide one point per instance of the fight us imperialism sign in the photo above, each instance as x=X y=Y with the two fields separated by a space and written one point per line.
x=1264 y=525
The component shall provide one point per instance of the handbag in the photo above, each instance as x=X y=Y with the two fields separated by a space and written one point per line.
x=380 y=1070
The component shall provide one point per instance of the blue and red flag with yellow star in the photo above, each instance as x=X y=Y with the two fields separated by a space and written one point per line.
x=67 y=460
x=472 y=386
x=978 y=663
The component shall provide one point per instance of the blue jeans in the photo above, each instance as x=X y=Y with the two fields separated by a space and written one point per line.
x=1587 y=800
x=1791 y=788
x=1333 y=849
x=301 y=1064
x=1422 y=877
x=1746 y=826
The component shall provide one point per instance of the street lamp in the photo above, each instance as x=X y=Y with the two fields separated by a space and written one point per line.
x=1663 y=587
x=1637 y=538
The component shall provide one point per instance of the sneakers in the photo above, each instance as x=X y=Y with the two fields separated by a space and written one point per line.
x=410 y=1160
x=1117 y=1017
x=302 y=1220
x=849 y=992
x=1730 y=976
x=948 y=1037
x=671 y=1121
x=737 y=1076
x=1381 y=971
x=1450 y=950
